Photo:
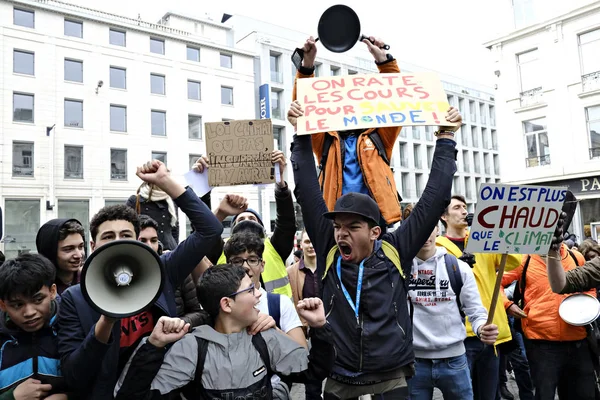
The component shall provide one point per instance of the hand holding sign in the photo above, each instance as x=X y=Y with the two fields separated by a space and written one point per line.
x=294 y=112
x=278 y=159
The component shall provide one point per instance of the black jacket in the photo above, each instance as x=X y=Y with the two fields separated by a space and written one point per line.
x=187 y=304
x=159 y=211
x=378 y=345
x=91 y=367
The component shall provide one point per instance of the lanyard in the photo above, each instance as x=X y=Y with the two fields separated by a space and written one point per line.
x=361 y=270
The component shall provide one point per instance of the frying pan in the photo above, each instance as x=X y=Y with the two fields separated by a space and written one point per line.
x=339 y=31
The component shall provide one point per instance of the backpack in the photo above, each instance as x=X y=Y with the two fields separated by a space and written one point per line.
x=375 y=138
x=274 y=304
x=257 y=341
x=456 y=281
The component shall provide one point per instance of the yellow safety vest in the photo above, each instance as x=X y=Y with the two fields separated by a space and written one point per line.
x=275 y=276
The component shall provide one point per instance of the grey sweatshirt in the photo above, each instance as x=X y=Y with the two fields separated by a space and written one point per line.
x=438 y=329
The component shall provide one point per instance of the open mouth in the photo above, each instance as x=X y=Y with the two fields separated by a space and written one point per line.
x=345 y=251
x=33 y=322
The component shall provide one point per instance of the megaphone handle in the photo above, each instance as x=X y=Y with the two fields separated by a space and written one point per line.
x=385 y=46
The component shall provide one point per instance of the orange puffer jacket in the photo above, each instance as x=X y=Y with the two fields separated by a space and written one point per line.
x=378 y=176
x=541 y=304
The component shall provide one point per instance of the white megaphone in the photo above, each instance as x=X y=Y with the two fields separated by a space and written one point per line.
x=122 y=278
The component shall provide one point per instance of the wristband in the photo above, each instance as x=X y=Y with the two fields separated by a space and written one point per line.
x=443 y=132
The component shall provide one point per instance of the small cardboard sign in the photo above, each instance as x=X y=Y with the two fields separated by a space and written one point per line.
x=239 y=152
x=364 y=101
x=515 y=219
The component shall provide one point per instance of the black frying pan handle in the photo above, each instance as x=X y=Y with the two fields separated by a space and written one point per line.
x=363 y=37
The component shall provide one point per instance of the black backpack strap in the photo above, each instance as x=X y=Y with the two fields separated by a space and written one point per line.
x=455 y=278
x=376 y=139
x=274 y=304
x=261 y=346
x=202 y=350
x=573 y=257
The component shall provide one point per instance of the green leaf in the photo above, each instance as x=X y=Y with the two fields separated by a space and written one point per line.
x=517 y=250
x=537 y=248
x=501 y=234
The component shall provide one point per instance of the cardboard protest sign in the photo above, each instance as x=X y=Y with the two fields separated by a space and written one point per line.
x=364 y=101
x=515 y=219
x=239 y=152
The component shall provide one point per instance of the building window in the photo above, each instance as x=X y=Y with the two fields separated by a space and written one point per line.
x=592 y=117
x=22 y=107
x=157 y=84
x=496 y=164
x=486 y=163
x=73 y=70
x=194 y=126
x=23 y=62
x=483 y=113
x=477 y=184
x=529 y=71
x=118 y=78
x=589 y=53
x=24 y=18
x=118 y=118
x=456 y=184
x=334 y=71
x=160 y=156
x=118 y=164
x=466 y=164
x=416 y=132
x=114 y=202
x=351 y=72
x=226 y=60
x=276 y=75
x=429 y=133
x=536 y=138
x=464 y=137
x=403 y=155
x=429 y=156
x=484 y=139
x=21 y=226
x=73 y=28
x=74 y=113
x=23 y=159
x=419 y=184
x=73 y=162
x=318 y=69
x=116 y=37
x=157 y=46
x=417 y=155
x=405 y=180
x=468 y=189
x=472 y=112
x=474 y=136
x=476 y=162
x=159 y=123
x=492 y=115
x=278 y=138
x=193 y=54
x=192 y=160
x=494 y=140
x=193 y=90
x=276 y=106
x=227 y=95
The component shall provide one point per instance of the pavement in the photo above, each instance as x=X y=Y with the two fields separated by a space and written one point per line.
x=298 y=391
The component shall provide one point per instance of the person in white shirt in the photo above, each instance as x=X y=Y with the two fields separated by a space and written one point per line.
x=438 y=323
x=246 y=249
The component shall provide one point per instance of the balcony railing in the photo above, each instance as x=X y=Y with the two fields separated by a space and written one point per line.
x=277 y=76
x=594 y=152
x=531 y=97
x=537 y=161
x=591 y=81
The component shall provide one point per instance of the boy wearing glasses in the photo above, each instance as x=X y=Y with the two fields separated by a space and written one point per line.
x=225 y=362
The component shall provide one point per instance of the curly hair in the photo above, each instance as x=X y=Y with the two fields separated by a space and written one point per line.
x=118 y=212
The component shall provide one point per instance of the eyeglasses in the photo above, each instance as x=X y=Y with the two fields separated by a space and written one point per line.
x=251 y=261
x=248 y=289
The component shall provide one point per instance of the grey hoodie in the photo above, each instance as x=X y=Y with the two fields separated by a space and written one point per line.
x=438 y=329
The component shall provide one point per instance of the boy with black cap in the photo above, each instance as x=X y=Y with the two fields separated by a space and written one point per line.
x=364 y=278
x=62 y=241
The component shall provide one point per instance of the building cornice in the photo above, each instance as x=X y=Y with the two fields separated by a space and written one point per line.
x=538 y=28
x=150 y=28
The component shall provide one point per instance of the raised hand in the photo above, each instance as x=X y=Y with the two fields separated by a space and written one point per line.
x=310 y=52
x=201 y=164
x=375 y=48
x=313 y=312
x=168 y=330
x=452 y=116
x=154 y=172
x=294 y=112
x=232 y=204
x=277 y=157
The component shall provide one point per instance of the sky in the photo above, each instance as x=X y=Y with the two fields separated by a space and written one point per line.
x=446 y=36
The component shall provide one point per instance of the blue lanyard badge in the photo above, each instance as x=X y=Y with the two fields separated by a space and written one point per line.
x=361 y=270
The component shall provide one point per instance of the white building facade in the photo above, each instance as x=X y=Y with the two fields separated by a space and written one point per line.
x=87 y=96
x=549 y=105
